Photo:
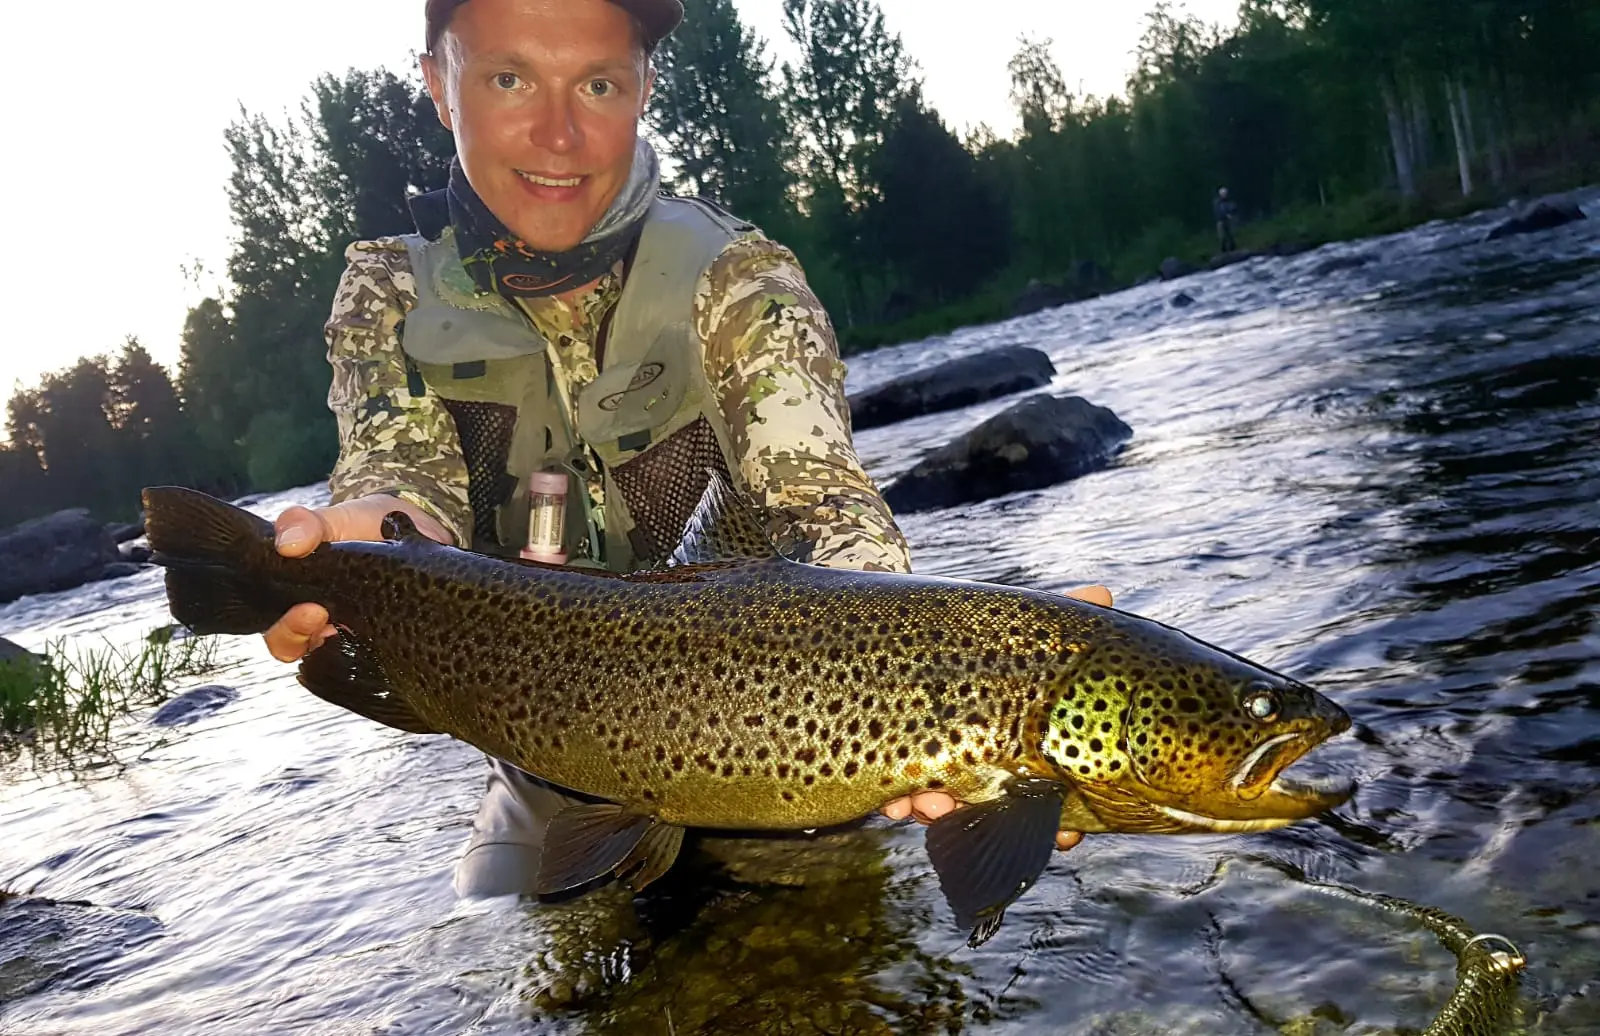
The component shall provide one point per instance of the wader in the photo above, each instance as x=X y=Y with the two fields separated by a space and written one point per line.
x=648 y=426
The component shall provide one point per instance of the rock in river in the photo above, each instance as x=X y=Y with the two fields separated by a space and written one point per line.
x=1541 y=215
x=952 y=385
x=194 y=705
x=56 y=552
x=1039 y=442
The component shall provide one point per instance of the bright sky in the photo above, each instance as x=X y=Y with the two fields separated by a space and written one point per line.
x=117 y=172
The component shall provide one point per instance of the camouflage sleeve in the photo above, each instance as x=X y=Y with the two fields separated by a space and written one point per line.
x=773 y=363
x=389 y=440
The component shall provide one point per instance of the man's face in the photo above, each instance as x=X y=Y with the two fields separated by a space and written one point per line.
x=544 y=98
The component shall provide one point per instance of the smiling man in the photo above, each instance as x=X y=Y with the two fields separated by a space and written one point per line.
x=554 y=314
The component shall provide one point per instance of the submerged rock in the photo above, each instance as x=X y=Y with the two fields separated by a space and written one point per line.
x=1340 y=262
x=55 y=552
x=194 y=705
x=952 y=385
x=1039 y=442
x=1541 y=215
x=1182 y=300
x=44 y=943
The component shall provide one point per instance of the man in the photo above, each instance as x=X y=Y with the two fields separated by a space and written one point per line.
x=1225 y=212
x=554 y=314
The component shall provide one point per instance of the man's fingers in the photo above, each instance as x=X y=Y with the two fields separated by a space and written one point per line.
x=299 y=531
x=931 y=805
x=1093 y=594
x=899 y=809
x=302 y=628
x=1067 y=839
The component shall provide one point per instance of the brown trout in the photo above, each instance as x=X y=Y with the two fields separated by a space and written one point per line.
x=741 y=690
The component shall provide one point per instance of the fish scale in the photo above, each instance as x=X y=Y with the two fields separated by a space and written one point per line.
x=757 y=693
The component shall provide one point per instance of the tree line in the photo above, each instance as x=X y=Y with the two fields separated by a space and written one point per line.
x=1360 y=110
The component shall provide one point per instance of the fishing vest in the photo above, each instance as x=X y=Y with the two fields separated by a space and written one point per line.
x=650 y=417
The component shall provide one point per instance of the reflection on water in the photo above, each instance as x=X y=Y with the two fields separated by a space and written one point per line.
x=1373 y=466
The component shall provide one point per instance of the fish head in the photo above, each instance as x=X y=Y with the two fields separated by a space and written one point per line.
x=1182 y=736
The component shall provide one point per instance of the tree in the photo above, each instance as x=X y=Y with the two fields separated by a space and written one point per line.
x=715 y=108
x=934 y=219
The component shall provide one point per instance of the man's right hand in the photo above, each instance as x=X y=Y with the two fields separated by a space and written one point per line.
x=301 y=530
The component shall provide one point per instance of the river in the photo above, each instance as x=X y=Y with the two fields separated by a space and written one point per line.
x=1373 y=466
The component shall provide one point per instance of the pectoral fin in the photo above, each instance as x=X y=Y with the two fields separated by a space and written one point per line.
x=989 y=853
x=650 y=859
x=585 y=841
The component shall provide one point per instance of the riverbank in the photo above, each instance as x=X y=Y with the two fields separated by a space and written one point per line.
x=1370 y=215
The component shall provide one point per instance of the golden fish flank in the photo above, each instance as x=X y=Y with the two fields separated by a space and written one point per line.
x=755 y=693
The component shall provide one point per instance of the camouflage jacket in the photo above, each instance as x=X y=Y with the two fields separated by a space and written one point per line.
x=770 y=357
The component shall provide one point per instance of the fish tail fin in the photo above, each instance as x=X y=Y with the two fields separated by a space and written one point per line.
x=219 y=560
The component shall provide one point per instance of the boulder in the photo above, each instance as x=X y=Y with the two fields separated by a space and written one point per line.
x=1172 y=268
x=952 y=385
x=120 y=570
x=137 y=553
x=10 y=652
x=1039 y=442
x=1541 y=215
x=1039 y=296
x=123 y=532
x=56 y=552
x=1182 y=300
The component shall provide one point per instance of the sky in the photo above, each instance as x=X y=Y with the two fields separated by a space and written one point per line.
x=115 y=186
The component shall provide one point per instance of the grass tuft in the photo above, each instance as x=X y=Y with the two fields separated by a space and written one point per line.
x=61 y=706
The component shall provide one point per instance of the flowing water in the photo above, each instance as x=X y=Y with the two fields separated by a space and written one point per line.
x=1373 y=466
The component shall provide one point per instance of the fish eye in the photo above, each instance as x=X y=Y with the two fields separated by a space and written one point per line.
x=1261 y=703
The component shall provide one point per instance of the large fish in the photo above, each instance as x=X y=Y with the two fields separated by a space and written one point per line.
x=741 y=690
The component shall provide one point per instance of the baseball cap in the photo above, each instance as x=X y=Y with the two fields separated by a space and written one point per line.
x=659 y=18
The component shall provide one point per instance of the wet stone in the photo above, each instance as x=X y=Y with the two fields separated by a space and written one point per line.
x=46 y=944
x=194 y=705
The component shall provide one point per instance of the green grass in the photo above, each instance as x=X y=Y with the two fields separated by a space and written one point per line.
x=62 y=707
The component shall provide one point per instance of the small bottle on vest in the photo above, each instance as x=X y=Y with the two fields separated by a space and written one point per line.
x=547 y=517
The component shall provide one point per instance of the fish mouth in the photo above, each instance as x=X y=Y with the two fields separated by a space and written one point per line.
x=1261 y=796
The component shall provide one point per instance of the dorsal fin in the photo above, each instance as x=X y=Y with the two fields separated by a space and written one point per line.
x=724 y=527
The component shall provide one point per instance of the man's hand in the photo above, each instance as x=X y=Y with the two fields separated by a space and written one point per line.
x=301 y=530
x=928 y=806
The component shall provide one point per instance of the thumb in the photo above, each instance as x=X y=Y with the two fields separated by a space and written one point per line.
x=299 y=531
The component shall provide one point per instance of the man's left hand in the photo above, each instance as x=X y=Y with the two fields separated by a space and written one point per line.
x=928 y=806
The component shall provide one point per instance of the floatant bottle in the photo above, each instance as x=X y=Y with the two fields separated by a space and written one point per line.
x=547 y=517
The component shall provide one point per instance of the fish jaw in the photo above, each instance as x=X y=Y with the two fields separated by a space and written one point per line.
x=1260 y=796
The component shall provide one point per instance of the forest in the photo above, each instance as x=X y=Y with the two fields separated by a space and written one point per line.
x=1324 y=118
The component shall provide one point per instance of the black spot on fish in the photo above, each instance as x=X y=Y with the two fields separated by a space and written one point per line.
x=932 y=747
